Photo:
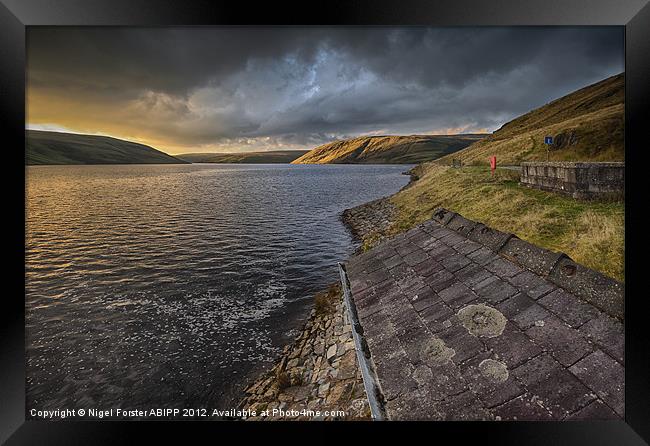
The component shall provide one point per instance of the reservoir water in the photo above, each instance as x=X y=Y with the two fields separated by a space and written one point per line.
x=166 y=286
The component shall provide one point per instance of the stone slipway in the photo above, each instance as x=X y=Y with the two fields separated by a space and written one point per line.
x=462 y=322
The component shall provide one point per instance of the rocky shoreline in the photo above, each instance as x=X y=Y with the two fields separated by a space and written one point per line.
x=369 y=223
x=317 y=377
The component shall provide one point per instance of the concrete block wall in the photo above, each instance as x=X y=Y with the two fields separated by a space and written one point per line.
x=582 y=180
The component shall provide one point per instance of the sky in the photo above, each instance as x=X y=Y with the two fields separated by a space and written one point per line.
x=241 y=89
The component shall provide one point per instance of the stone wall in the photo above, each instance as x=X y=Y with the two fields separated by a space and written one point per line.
x=588 y=180
x=319 y=372
x=370 y=222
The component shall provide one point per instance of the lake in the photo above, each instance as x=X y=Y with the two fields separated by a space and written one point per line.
x=167 y=286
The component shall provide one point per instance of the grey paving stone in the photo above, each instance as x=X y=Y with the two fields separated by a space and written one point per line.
x=384 y=252
x=465 y=345
x=495 y=290
x=453 y=238
x=513 y=347
x=392 y=262
x=522 y=310
x=400 y=272
x=368 y=306
x=412 y=342
x=437 y=232
x=385 y=287
x=446 y=380
x=428 y=267
x=532 y=284
x=563 y=343
x=457 y=295
x=608 y=334
x=472 y=274
x=408 y=408
x=483 y=255
x=423 y=298
x=526 y=407
x=416 y=257
x=379 y=275
x=376 y=320
x=373 y=265
x=422 y=239
x=594 y=411
x=406 y=247
x=439 y=250
x=463 y=407
x=411 y=286
x=440 y=280
x=493 y=389
x=467 y=247
x=559 y=391
x=405 y=319
x=359 y=283
x=503 y=268
x=455 y=262
x=605 y=376
x=395 y=372
x=437 y=316
x=568 y=307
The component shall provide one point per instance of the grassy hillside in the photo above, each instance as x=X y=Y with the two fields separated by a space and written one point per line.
x=586 y=125
x=591 y=233
x=387 y=149
x=69 y=148
x=274 y=156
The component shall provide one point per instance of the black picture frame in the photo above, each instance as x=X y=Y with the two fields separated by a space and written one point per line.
x=16 y=15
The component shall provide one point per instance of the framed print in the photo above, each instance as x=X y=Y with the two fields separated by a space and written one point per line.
x=383 y=216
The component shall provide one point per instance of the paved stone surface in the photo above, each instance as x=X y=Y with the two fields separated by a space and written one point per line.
x=457 y=331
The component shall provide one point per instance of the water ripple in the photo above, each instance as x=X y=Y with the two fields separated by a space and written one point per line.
x=165 y=285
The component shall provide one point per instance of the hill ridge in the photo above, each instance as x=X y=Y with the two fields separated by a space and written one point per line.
x=61 y=148
x=385 y=149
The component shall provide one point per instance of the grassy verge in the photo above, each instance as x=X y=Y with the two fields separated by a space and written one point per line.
x=591 y=233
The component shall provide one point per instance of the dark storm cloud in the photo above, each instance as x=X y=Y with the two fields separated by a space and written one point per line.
x=274 y=87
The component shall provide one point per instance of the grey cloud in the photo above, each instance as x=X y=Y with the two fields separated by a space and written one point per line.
x=298 y=86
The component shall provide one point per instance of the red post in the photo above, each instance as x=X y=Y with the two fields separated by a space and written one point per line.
x=493 y=164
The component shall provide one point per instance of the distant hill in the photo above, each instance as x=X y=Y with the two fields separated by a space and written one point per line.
x=70 y=148
x=586 y=125
x=273 y=156
x=388 y=149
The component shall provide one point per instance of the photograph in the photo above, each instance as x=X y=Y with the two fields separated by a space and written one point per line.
x=346 y=223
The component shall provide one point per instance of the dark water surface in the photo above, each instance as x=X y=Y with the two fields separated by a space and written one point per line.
x=164 y=285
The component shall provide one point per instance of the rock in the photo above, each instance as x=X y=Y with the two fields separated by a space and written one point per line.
x=339 y=392
x=323 y=389
x=298 y=393
x=331 y=351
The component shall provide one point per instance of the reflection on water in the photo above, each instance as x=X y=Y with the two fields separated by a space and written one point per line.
x=162 y=286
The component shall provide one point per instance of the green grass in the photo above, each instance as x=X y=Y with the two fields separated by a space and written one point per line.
x=590 y=232
x=587 y=125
